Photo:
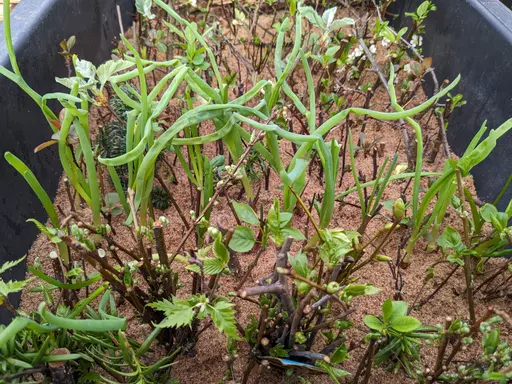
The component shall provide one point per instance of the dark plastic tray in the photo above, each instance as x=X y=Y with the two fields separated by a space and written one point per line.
x=37 y=28
x=473 y=38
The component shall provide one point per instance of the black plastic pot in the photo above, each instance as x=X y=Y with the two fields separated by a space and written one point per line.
x=37 y=28
x=473 y=38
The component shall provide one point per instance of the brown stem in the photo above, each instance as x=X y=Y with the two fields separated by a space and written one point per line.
x=297 y=316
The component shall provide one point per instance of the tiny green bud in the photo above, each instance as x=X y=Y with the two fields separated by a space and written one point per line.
x=398 y=209
x=333 y=287
x=383 y=258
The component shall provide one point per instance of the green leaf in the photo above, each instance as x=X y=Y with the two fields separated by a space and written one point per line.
x=298 y=170
x=144 y=8
x=85 y=68
x=12 y=287
x=300 y=264
x=454 y=259
x=242 y=239
x=373 y=322
x=177 y=314
x=339 y=355
x=279 y=351
x=9 y=264
x=387 y=309
x=333 y=372
x=487 y=211
x=113 y=324
x=220 y=251
x=245 y=213
x=398 y=308
x=405 y=324
x=450 y=239
x=106 y=70
x=224 y=317
x=293 y=232
x=213 y=266
x=491 y=341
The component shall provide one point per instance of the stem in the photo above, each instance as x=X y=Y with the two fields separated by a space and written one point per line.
x=467 y=258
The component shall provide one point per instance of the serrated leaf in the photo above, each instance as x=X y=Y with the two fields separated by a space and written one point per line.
x=111 y=67
x=12 y=286
x=42 y=228
x=177 y=314
x=85 y=68
x=224 y=318
x=242 y=239
x=405 y=324
x=220 y=251
x=278 y=351
x=213 y=266
x=245 y=213
x=9 y=264
x=193 y=268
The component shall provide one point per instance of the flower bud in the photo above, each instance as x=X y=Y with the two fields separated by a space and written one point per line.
x=383 y=258
x=333 y=287
x=398 y=209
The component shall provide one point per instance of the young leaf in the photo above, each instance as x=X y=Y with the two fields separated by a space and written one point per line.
x=220 y=251
x=85 y=68
x=223 y=317
x=339 y=354
x=111 y=67
x=487 y=211
x=144 y=8
x=299 y=264
x=398 y=308
x=245 y=213
x=373 y=322
x=279 y=351
x=177 y=314
x=9 y=264
x=405 y=324
x=242 y=239
x=450 y=239
x=213 y=266
x=293 y=232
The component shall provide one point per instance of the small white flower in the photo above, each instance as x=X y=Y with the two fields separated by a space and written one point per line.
x=358 y=52
x=385 y=42
x=373 y=49
x=164 y=221
x=193 y=3
x=416 y=41
x=101 y=252
x=407 y=68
